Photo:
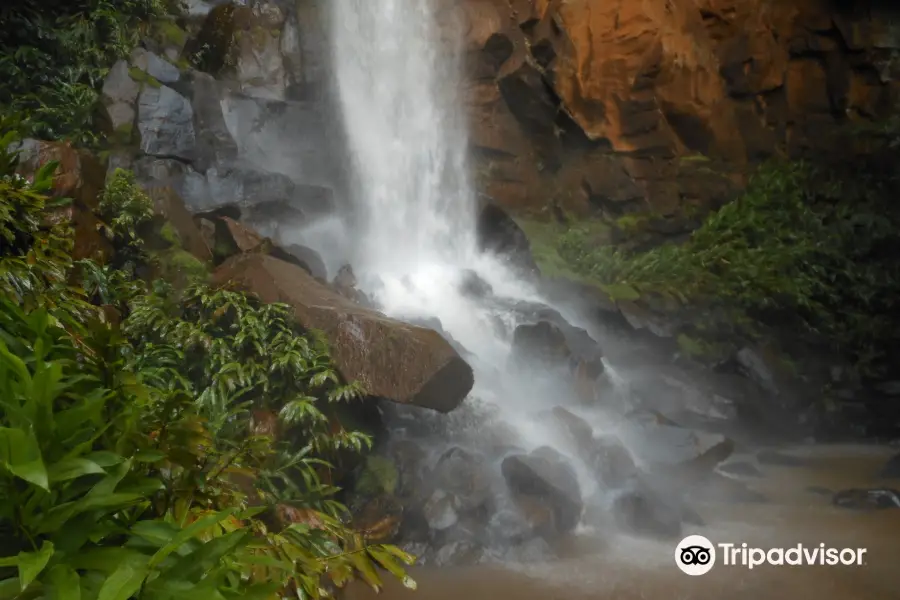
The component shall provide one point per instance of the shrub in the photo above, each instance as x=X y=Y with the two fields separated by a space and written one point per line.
x=797 y=245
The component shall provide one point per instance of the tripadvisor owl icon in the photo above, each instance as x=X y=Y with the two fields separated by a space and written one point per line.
x=695 y=555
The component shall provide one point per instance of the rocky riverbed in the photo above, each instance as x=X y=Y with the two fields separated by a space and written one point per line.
x=797 y=509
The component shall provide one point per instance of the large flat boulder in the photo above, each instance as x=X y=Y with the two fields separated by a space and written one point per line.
x=393 y=360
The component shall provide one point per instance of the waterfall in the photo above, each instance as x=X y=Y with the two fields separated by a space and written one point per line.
x=399 y=80
x=398 y=83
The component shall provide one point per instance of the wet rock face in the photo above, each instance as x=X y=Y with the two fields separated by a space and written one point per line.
x=498 y=233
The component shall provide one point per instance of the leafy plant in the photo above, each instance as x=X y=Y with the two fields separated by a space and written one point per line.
x=54 y=55
x=133 y=458
x=117 y=488
x=35 y=238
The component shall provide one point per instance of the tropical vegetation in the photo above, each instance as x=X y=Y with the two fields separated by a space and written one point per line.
x=803 y=246
x=159 y=441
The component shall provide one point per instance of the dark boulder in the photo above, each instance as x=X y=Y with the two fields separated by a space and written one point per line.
x=542 y=342
x=611 y=461
x=577 y=432
x=465 y=477
x=545 y=474
x=644 y=511
x=474 y=286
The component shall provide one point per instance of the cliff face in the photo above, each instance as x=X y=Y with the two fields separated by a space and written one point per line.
x=616 y=106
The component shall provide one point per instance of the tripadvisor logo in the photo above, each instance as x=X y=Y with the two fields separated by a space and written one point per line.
x=696 y=555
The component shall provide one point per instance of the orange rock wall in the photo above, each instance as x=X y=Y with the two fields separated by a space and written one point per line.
x=593 y=105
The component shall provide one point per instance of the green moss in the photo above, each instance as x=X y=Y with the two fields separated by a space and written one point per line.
x=168 y=33
x=544 y=239
x=691 y=346
x=180 y=266
x=621 y=292
x=634 y=223
x=142 y=76
x=169 y=234
x=702 y=350
x=799 y=246
x=693 y=159
x=379 y=476
x=124 y=133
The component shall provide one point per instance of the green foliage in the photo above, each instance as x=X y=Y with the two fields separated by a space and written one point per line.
x=116 y=487
x=124 y=208
x=128 y=464
x=233 y=348
x=797 y=244
x=379 y=476
x=35 y=239
x=54 y=55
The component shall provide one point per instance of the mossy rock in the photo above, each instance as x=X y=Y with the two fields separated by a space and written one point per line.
x=544 y=238
x=124 y=134
x=179 y=267
x=634 y=223
x=168 y=33
x=169 y=234
x=703 y=350
x=619 y=292
x=142 y=76
x=379 y=476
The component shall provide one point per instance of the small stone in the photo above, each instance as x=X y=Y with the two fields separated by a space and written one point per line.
x=740 y=469
x=891 y=469
x=439 y=511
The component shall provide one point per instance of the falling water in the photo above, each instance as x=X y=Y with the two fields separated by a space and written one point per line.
x=398 y=83
x=398 y=78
